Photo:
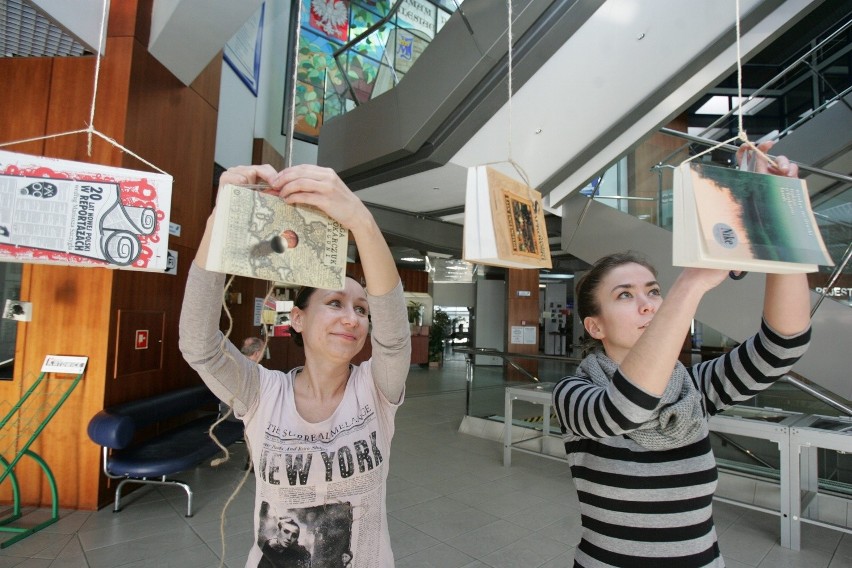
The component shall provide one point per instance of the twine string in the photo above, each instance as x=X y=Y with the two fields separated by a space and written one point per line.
x=90 y=129
x=510 y=160
x=741 y=132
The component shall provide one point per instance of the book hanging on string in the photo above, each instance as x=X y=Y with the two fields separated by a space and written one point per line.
x=503 y=222
x=258 y=235
x=81 y=214
x=741 y=220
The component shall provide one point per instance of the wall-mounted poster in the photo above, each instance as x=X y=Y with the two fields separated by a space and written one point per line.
x=242 y=52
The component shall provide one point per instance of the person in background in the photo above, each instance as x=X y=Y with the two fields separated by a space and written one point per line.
x=635 y=420
x=320 y=434
x=253 y=348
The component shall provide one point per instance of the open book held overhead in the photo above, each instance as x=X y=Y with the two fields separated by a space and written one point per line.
x=258 y=235
x=744 y=221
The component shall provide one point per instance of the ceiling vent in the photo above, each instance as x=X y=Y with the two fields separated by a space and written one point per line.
x=27 y=32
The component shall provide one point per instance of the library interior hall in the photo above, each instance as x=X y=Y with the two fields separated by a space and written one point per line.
x=502 y=148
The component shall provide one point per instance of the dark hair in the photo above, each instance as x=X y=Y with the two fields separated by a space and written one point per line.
x=586 y=301
x=303 y=296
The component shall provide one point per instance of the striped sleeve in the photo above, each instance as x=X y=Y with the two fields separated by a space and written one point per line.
x=749 y=368
x=591 y=411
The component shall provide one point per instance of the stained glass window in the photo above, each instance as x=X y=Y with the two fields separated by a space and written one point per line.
x=327 y=86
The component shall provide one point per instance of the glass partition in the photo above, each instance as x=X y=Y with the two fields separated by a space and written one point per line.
x=486 y=384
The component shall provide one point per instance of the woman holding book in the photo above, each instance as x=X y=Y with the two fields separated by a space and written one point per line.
x=319 y=434
x=635 y=420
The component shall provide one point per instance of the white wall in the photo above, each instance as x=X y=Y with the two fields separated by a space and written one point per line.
x=452 y=294
x=242 y=117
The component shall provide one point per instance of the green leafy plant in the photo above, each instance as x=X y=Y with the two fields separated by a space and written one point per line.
x=414 y=310
x=439 y=331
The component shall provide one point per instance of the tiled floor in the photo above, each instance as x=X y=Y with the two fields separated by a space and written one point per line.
x=451 y=503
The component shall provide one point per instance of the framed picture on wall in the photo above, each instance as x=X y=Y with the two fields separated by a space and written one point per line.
x=242 y=52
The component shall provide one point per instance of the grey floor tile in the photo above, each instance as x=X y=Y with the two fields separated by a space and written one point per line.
x=785 y=558
x=482 y=541
x=71 y=556
x=428 y=511
x=407 y=540
x=564 y=560
x=456 y=523
x=746 y=543
x=156 y=546
x=439 y=556
x=532 y=551
x=199 y=556
x=451 y=503
x=38 y=545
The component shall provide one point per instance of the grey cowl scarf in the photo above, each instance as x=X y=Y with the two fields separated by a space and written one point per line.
x=680 y=421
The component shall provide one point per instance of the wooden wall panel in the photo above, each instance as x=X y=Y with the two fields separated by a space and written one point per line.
x=174 y=128
x=144 y=108
x=24 y=116
x=70 y=317
x=208 y=83
x=71 y=314
x=127 y=20
x=522 y=311
x=71 y=89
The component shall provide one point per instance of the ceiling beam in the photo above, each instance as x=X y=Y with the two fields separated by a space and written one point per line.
x=418 y=232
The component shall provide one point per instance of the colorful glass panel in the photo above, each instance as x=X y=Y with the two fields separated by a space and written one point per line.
x=328 y=17
x=373 y=66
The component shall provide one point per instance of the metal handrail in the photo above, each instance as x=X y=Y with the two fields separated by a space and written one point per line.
x=777 y=77
x=802 y=386
x=710 y=142
x=471 y=352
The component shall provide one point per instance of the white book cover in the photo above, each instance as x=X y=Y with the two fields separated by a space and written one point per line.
x=504 y=222
x=79 y=214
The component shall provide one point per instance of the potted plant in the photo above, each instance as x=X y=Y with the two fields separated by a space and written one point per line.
x=439 y=331
x=415 y=312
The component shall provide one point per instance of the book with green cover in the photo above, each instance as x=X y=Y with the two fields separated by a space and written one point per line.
x=740 y=220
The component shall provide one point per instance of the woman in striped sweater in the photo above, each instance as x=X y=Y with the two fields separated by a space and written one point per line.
x=635 y=420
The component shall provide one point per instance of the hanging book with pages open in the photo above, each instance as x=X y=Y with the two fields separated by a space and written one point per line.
x=740 y=220
x=503 y=222
x=81 y=214
x=258 y=235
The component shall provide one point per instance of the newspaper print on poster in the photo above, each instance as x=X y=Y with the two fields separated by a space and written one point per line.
x=79 y=214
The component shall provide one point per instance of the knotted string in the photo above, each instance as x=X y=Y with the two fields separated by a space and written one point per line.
x=90 y=129
x=510 y=160
x=741 y=133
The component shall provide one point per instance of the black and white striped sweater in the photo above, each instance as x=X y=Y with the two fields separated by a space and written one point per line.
x=653 y=508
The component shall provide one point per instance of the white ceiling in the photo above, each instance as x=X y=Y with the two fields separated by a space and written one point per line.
x=601 y=79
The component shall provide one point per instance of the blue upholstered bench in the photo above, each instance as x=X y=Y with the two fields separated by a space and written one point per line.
x=165 y=454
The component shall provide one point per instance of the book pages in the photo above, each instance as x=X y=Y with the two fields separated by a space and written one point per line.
x=260 y=236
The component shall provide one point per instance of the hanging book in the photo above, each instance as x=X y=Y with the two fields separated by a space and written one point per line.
x=258 y=235
x=740 y=220
x=503 y=222
x=80 y=214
